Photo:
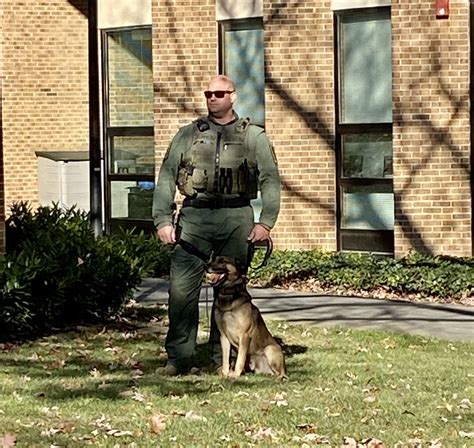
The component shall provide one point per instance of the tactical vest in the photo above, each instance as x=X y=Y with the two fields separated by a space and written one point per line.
x=218 y=161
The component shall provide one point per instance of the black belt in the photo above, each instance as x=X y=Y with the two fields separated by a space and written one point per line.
x=213 y=203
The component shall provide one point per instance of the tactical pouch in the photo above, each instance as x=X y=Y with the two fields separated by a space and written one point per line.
x=199 y=180
x=247 y=180
x=185 y=179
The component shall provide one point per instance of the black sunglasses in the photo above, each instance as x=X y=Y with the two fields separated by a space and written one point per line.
x=217 y=93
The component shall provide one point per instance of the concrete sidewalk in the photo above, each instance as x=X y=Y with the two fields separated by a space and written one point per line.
x=452 y=322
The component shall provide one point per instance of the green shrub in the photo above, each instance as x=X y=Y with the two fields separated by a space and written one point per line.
x=56 y=273
x=436 y=276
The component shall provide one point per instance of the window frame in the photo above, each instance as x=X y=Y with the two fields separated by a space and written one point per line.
x=240 y=24
x=372 y=241
x=114 y=225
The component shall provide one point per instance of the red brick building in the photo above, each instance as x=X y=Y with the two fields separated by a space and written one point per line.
x=367 y=103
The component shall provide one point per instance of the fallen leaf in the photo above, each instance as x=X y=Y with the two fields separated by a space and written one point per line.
x=137 y=396
x=8 y=440
x=158 y=423
x=33 y=357
x=102 y=423
x=118 y=433
x=191 y=415
x=349 y=442
x=52 y=412
x=469 y=435
x=372 y=443
x=279 y=399
x=242 y=393
x=95 y=373
x=308 y=427
x=261 y=433
x=316 y=438
x=58 y=364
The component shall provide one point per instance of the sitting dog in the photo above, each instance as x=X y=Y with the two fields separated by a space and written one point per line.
x=241 y=324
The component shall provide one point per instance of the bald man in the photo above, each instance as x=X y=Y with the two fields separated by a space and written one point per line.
x=218 y=163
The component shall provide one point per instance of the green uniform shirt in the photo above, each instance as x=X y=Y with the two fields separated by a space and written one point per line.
x=268 y=176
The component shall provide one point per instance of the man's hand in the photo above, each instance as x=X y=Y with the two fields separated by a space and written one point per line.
x=259 y=233
x=167 y=234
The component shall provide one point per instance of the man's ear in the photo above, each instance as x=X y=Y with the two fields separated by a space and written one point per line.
x=233 y=97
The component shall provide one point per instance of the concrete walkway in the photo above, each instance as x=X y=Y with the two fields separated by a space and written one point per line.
x=452 y=322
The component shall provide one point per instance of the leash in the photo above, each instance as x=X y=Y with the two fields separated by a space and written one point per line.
x=251 y=252
x=193 y=250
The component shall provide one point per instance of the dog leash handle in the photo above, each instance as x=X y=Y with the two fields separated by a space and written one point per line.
x=268 y=253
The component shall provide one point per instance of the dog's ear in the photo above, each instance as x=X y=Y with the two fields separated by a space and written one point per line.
x=238 y=264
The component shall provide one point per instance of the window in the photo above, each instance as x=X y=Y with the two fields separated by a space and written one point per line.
x=364 y=130
x=242 y=59
x=128 y=130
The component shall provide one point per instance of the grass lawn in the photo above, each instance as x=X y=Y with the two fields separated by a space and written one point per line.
x=99 y=387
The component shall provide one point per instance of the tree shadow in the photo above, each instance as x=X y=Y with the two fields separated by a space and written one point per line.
x=279 y=19
x=82 y=6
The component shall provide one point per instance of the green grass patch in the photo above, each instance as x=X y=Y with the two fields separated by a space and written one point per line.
x=99 y=386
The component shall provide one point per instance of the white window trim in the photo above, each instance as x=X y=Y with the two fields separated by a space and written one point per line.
x=121 y=13
x=354 y=4
x=232 y=9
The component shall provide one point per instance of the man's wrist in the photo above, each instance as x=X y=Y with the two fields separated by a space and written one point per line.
x=163 y=224
x=265 y=226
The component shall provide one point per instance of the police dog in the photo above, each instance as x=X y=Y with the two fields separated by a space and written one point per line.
x=241 y=324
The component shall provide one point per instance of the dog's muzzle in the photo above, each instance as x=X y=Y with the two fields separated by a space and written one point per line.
x=215 y=278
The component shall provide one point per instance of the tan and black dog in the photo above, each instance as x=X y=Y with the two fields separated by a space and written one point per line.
x=241 y=324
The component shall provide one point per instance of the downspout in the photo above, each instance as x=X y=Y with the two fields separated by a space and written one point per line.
x=95 y=170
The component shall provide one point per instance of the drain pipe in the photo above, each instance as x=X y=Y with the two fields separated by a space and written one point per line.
x=95 y=163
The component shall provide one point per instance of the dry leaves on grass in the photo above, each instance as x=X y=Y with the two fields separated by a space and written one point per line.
x=279 y=399
x=64 y=427
x=190 y=415
x=157 y=423
x=103 y=425
x=468 y=435
x=261 y=433
x=311 y=436
x=370 y=442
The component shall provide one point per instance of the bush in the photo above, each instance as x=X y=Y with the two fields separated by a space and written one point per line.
x=425 y=275
x=56 y=273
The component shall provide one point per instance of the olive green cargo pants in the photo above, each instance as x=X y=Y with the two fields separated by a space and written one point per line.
x=222 y=231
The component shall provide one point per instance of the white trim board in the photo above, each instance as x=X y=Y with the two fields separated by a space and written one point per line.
x=120 y=13
x=353 y=4
x=240 y=9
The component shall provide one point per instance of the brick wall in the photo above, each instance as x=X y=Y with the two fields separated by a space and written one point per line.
x=430 y=101
x=431 y=128
x=45 y=106
x=299 y=100
x=184 y=58
x=300 y=119
x=45 y=87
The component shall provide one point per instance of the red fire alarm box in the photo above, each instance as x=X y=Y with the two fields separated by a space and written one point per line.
x=442 y=9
